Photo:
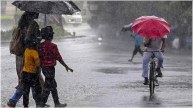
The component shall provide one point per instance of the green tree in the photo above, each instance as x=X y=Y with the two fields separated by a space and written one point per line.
x=118 y=13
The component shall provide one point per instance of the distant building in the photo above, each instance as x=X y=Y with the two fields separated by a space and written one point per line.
x=85 y=12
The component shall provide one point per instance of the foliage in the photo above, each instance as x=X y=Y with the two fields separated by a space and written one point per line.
x=59 y=31
x=118 y=13
x=7 y=17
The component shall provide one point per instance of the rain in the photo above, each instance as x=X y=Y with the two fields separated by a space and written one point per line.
x=92 y=43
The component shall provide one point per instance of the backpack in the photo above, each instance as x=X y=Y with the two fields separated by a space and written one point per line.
x=17 y=42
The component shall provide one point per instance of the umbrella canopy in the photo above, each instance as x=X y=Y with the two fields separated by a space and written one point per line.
x=47 y=7
x=151 y=27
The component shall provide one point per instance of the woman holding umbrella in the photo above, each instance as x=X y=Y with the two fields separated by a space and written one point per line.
x=31 y=7
x=26 y=23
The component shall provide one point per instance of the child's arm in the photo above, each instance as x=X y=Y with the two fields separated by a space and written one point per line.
x=59 y=58
x=64 y=64
x=36 y=58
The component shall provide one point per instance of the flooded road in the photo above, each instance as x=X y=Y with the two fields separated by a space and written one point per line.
x=103 y=77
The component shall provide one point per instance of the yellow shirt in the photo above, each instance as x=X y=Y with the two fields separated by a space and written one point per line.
x=31 y=60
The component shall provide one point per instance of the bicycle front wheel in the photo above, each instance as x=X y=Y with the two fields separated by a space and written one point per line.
x=151 y=87
x=151 y=79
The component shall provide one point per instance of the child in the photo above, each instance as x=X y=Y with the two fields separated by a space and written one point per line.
x=30 y=76
x=49 y=54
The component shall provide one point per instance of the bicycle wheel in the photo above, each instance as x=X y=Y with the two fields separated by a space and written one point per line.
x=151 y=87
x=151 y=77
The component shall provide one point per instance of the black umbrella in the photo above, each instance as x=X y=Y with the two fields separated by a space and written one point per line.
x=127 y=27
x=47 y=7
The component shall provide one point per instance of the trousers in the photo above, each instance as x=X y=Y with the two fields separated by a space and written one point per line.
x=146 y=59
x=50 y=85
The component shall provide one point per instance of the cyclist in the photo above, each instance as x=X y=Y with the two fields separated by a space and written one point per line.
x=153 y=44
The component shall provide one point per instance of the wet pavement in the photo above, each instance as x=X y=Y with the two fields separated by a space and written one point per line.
x=103 y=77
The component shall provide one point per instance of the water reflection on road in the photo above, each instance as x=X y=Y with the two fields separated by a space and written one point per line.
x=103 y=77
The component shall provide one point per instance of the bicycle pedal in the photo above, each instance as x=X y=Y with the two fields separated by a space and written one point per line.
x=145 y=83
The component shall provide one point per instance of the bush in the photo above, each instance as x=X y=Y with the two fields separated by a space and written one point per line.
x=7 y=17
x=59 y=31
x=6 y=35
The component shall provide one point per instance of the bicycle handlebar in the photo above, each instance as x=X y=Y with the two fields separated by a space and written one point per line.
x=152 y=51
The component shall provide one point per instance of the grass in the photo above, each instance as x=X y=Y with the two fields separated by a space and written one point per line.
x=7 y=17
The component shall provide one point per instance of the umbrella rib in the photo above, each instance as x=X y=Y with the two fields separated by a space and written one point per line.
x=142 y=26
x=165 y=26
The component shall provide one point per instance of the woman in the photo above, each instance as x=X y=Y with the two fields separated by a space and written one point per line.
x=26 y=23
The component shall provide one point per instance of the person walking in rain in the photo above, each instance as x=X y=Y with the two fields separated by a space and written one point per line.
x=137 y=38
x=48 y=55
x=26 y=24
x=138 y=42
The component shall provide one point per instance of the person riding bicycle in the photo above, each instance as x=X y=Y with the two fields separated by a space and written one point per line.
x=153 y=44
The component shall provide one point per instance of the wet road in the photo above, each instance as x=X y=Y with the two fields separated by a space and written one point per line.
x=103 y=77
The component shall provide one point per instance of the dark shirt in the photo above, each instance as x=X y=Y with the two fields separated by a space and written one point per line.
x=49 y=54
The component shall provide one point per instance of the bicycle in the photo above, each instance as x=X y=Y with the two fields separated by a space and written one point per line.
x=152 y=74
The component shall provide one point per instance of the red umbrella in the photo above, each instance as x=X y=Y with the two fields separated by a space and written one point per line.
x=151 y=27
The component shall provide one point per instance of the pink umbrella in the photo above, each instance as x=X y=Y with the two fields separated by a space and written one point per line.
x=151 y=27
